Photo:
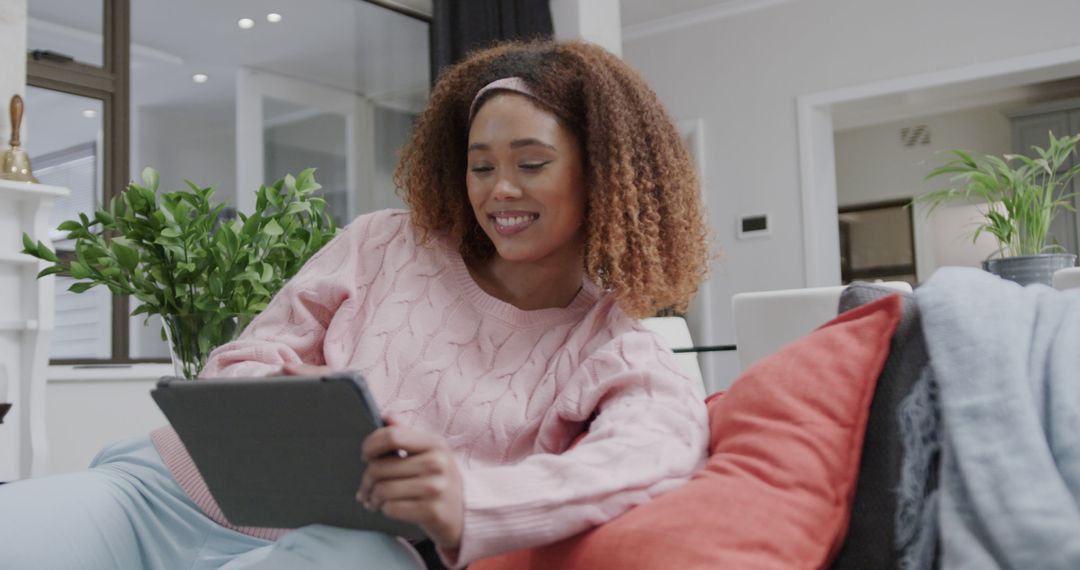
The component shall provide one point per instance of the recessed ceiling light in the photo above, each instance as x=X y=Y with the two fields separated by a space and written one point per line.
x=273 y=17
x=200 y=77
x=246 y=23
x=89 y=113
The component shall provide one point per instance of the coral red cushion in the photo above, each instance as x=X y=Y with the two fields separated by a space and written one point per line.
x=784 y=454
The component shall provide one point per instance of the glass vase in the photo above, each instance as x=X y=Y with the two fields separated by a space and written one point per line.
x=192 y=337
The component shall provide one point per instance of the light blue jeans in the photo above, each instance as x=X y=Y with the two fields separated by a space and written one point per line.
x=127 y=511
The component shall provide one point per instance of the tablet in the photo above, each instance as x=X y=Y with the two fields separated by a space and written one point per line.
x=280 y=452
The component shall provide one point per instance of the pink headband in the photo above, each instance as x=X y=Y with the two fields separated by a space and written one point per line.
x=515 y=84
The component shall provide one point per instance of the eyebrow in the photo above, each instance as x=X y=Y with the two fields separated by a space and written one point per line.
x=518 y=143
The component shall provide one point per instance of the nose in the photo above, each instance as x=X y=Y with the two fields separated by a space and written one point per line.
x=505 y=189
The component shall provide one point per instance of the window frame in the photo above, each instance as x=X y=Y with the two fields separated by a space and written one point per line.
x=109 y=83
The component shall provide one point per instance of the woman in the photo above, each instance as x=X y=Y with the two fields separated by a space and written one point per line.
x=551 y=205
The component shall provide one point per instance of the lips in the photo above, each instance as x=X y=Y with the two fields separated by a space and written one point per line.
x=512 y=222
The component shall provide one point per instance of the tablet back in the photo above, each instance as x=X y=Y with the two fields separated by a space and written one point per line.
x=280 y=452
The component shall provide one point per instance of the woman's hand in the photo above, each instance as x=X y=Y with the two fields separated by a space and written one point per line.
x=305 y=370
x=422 y=486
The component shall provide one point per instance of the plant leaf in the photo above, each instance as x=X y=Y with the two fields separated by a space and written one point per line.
x=126 y=255
x=28 y=245
x=79 y=270
x=151 y=178
x=45 y=253
x=53 y=270
x=80 y=287
x=272 y=228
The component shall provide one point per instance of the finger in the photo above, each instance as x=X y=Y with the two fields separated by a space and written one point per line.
x=302 y=369
x=416 y=511
x=389 y=439
x=423 y=465
x=380 y=470
x=412 y=488
x=392 y=421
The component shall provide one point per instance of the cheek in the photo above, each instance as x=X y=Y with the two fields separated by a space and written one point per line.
x=575 y=185
x=472 y=192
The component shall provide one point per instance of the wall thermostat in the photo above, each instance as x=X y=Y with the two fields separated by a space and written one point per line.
x=754 y=225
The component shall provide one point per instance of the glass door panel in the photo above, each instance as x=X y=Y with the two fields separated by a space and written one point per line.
x=298 y=136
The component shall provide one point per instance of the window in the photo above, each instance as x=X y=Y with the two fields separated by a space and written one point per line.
x=76 y=124
x=877 y=242
x=59 y=29
x=73 y=161
x=336 y=85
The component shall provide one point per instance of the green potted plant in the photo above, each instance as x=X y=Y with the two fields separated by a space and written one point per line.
x=206 y=276
x=1022 y=195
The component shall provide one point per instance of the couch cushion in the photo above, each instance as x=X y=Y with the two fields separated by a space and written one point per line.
x=777 y=488
x=872 y=536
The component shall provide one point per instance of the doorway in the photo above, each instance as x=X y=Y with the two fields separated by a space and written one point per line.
x=895 y=99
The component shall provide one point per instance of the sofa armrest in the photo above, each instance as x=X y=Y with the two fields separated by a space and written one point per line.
x=871 y=540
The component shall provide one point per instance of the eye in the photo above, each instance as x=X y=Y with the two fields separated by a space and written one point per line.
x=533 y=165
x=481 y=169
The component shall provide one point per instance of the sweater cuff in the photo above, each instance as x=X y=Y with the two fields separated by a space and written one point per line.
x=493 y=527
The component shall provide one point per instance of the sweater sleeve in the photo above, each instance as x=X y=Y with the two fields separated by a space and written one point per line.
x=649 y=434
x=293 y=326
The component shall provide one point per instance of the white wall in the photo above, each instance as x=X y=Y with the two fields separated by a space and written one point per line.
x=742 y=74
x=85 y=410
x=596 y=21
x=12 y=59
x=116 y=409
x=873 y=165
x=392 y=130
x=196 y=143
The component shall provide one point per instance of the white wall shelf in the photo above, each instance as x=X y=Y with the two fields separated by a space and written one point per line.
x=12 y=190
x=109 y=373
x=27 y=325
x=18 y=259
x=26 y=304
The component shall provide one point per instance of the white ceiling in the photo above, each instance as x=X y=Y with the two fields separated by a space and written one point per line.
x=347 y=44
x=1008 y=91
x=638 y=12
x=632 y=12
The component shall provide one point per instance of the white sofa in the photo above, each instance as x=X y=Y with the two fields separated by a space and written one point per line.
x=767 y=320
x=675 y=332
x=1067 y=278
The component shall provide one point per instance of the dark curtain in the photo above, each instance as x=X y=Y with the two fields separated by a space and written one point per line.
x=460 y=26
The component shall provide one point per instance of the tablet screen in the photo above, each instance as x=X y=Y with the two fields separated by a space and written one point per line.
x=280 y=452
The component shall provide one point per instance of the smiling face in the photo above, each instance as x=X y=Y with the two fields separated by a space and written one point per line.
x=526 y=182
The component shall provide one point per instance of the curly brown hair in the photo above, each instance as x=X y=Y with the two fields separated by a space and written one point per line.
x=646 y=237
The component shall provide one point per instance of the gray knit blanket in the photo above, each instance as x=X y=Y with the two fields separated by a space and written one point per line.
x=1005 y=365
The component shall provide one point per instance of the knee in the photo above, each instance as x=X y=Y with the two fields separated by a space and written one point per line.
x=80 y=507
x=328 y=547
x=61 y=499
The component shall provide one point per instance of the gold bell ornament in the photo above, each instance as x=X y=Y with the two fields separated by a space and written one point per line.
x=14 y=162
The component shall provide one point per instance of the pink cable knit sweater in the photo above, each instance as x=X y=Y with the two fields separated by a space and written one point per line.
x=509 y=389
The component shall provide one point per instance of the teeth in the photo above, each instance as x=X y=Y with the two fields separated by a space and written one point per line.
x=513 y=221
